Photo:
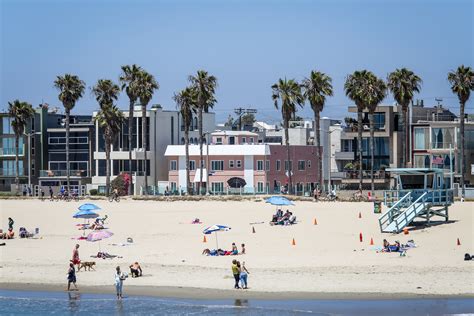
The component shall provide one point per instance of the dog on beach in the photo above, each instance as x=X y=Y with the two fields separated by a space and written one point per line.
x=87 y=265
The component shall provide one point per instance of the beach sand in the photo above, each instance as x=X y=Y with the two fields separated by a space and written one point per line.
x=327 y=261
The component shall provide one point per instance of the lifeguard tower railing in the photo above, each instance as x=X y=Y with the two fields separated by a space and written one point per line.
x=436 y=197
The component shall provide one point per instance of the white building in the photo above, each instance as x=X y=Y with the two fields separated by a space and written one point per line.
x=165 y=128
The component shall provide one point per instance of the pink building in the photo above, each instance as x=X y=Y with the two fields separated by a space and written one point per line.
x=260 y=168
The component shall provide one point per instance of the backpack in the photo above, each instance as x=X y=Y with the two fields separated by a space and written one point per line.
x=467 y=257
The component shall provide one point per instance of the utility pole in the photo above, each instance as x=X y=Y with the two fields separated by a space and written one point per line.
x=241 y=111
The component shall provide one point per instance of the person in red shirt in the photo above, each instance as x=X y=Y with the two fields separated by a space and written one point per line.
x=75 y=256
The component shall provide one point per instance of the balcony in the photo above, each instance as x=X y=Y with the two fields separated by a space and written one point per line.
x=344 y=155
x=10 y=172
x=63 y=173
x=338 y=175
x=442 y=145
x=380 y=176
x=11 y=151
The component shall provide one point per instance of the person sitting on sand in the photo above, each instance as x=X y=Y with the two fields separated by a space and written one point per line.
x=234 y=249
x=136 y=270
x=243 y=250
x=8 y=235
x=386 y=245
x=96 y=225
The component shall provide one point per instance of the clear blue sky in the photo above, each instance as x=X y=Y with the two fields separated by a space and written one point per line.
x=248 y=45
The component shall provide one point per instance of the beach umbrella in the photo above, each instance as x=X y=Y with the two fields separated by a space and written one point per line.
x=279 y=200
x=215 y=229
x=98 y=235
x=88 y=207
x=86 y=214
x=236 y=182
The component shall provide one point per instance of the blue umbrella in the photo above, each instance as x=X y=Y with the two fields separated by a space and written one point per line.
x=88 y=207
x=279 y=200
x=215 y=229
x=85 y=214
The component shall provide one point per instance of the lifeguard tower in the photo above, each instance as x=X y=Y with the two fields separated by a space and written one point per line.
x=420 y=193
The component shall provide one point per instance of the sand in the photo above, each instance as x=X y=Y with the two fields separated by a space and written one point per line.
x=328 y=258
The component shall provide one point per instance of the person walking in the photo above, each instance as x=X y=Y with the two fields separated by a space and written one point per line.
x=236 y=273
x=243 y=275
x=71 y=277
x=119 y=278
x=42 y=194
x=10 y=223
x=51 y=194
x=75 y=256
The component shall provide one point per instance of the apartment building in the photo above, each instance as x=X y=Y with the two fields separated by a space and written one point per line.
x=240 y=166
x=163 y=128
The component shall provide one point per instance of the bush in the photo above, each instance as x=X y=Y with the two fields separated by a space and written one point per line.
x=121 y=183
x=93 y=191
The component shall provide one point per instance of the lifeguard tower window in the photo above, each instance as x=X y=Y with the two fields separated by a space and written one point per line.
x=416 y=181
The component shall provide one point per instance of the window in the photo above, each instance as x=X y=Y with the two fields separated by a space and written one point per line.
x=231 y=164
x=421 y=138
x=301 y=165
x=217 y=165
x=309 y=164
x=251 y=140
x=260 y=187
x=173 y=165
x=231 y=140
x=260 y=165
x=244 y=140
x=286 y=165
x=7 y=125
x=267 y=165
x=173 y=187
x=218 y=140
x=8 y=146
x=421 y=161
x=9 y=167
x=278 y=165
x=442 y=138
x=238 y=163
x=217 y=187
x=192 y=165
x=379 y=121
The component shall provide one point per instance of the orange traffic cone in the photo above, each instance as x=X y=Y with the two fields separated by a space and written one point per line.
x=360 y=237
x=204 y=239
x=253 y=229
x=459 y=243
x=315 y=221
x=360 y=215
x=405 y=231
x=371 y=241
x=293 y=242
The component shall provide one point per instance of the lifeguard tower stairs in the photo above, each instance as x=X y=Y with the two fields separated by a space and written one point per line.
x=406 y=205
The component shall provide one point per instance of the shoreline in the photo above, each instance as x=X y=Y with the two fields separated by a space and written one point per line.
x=217 y=294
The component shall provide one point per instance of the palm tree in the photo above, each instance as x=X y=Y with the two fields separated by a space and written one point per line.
x=146 y=86
x=373 y=94
x=71 y=89
x=185 y=101
x=289 y=94
x=128 y=79
x=205 y=87
x=106 y=92
x=21 y=113
x=353 y=88
x=462 y=83
x=403 y=83
x=111 y=120
x=316 y=88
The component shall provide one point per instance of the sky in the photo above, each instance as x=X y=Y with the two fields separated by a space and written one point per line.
x=247 y=45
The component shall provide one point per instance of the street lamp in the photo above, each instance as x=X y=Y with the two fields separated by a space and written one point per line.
x=206 y=134
x=29 y=135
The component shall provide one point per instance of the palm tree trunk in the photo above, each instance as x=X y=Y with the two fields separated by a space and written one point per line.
x=372 y=159
x=407 y=137
x=317 y=132
x=403 y=138
x=130 y=130
x=359 y=145
x=186 y=144
x=67 y=149
x=461 y=161
x=145 y=171
x=107 y=166
x=287 y=143
x=201 y=165
x=17 y=163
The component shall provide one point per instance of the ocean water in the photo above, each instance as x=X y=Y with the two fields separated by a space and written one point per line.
x=74 y=303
